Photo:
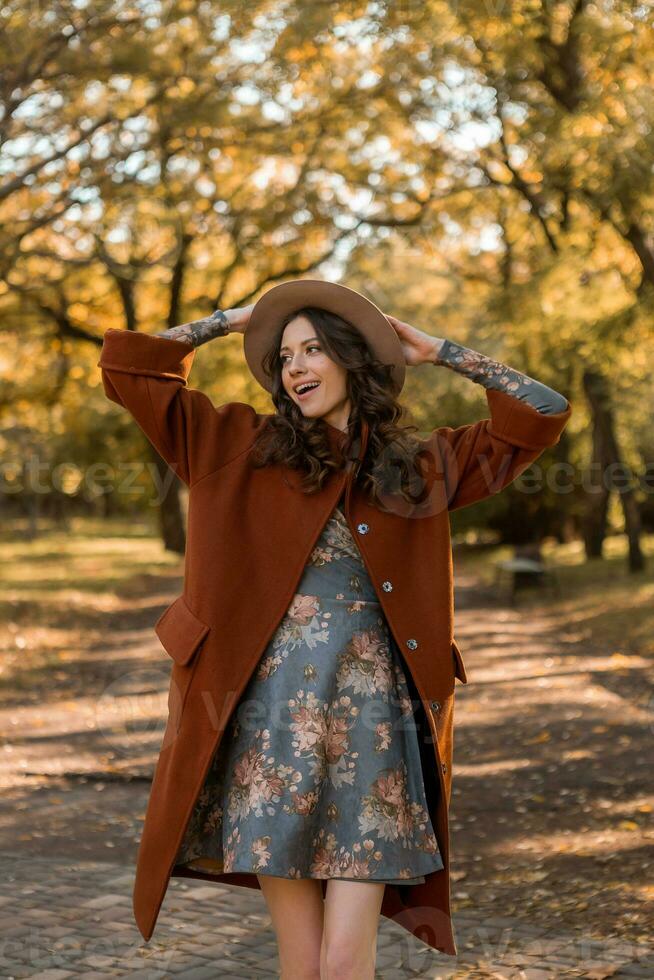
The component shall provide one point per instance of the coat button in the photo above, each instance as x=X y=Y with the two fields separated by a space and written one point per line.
x=444 y=766
x=362 y=528
x=412 y=644
x=435 y=705
x=387 y=586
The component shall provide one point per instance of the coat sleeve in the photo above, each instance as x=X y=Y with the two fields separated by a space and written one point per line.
x=483 y=457
x=147 y=375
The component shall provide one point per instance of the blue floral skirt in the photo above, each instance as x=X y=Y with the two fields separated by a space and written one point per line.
x=318 y=774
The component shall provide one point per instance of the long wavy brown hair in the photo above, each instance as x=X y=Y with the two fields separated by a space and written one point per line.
x=389 y=465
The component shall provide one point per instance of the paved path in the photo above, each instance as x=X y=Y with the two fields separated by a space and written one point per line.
x=63 y=918
x=551 y=824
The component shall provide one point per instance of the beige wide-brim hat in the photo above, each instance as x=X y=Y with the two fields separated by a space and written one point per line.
x=269 y=312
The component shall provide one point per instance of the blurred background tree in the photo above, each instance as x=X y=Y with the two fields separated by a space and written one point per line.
x=481 y=171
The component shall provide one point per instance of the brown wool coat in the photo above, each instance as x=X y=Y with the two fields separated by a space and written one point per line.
x=250 y=533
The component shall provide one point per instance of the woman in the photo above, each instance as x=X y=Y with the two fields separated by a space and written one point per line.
x=320 y=775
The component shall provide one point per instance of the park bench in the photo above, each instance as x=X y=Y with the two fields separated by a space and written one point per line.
x=527 y=570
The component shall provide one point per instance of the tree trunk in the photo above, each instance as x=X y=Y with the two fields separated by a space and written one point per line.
x=605 y=454
x=171 y=518
x=595 y=522
x=633 y=528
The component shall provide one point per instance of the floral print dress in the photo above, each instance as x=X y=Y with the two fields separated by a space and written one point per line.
x=318 y=774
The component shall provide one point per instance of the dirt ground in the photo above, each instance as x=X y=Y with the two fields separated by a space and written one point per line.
x=551 y=816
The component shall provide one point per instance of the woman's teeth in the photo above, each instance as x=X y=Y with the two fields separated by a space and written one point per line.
x=305 y=394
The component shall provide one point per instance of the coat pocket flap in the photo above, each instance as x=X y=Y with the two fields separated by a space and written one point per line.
x=180 y=631
x=459 y=669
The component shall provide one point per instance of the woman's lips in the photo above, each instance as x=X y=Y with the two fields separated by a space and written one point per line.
x=305 y=394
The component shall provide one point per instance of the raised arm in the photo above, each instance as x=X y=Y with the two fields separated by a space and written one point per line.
x=199 y=332
x=501 y=377
x=526 y=417
x=147 y=375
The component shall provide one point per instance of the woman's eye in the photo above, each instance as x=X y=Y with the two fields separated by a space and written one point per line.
x=284 y=357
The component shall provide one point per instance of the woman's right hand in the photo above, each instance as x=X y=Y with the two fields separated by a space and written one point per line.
x=238 y=318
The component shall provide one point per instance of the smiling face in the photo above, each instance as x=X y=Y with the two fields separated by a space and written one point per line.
x=303 y=360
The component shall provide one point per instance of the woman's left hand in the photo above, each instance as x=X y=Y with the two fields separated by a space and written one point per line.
x=418 y=347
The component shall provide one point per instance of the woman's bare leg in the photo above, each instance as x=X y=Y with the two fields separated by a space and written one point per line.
x=349 y=945
x=296 y=908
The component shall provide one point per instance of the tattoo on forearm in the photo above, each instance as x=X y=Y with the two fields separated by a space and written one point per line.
x=494 y=374
x=198 y=332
